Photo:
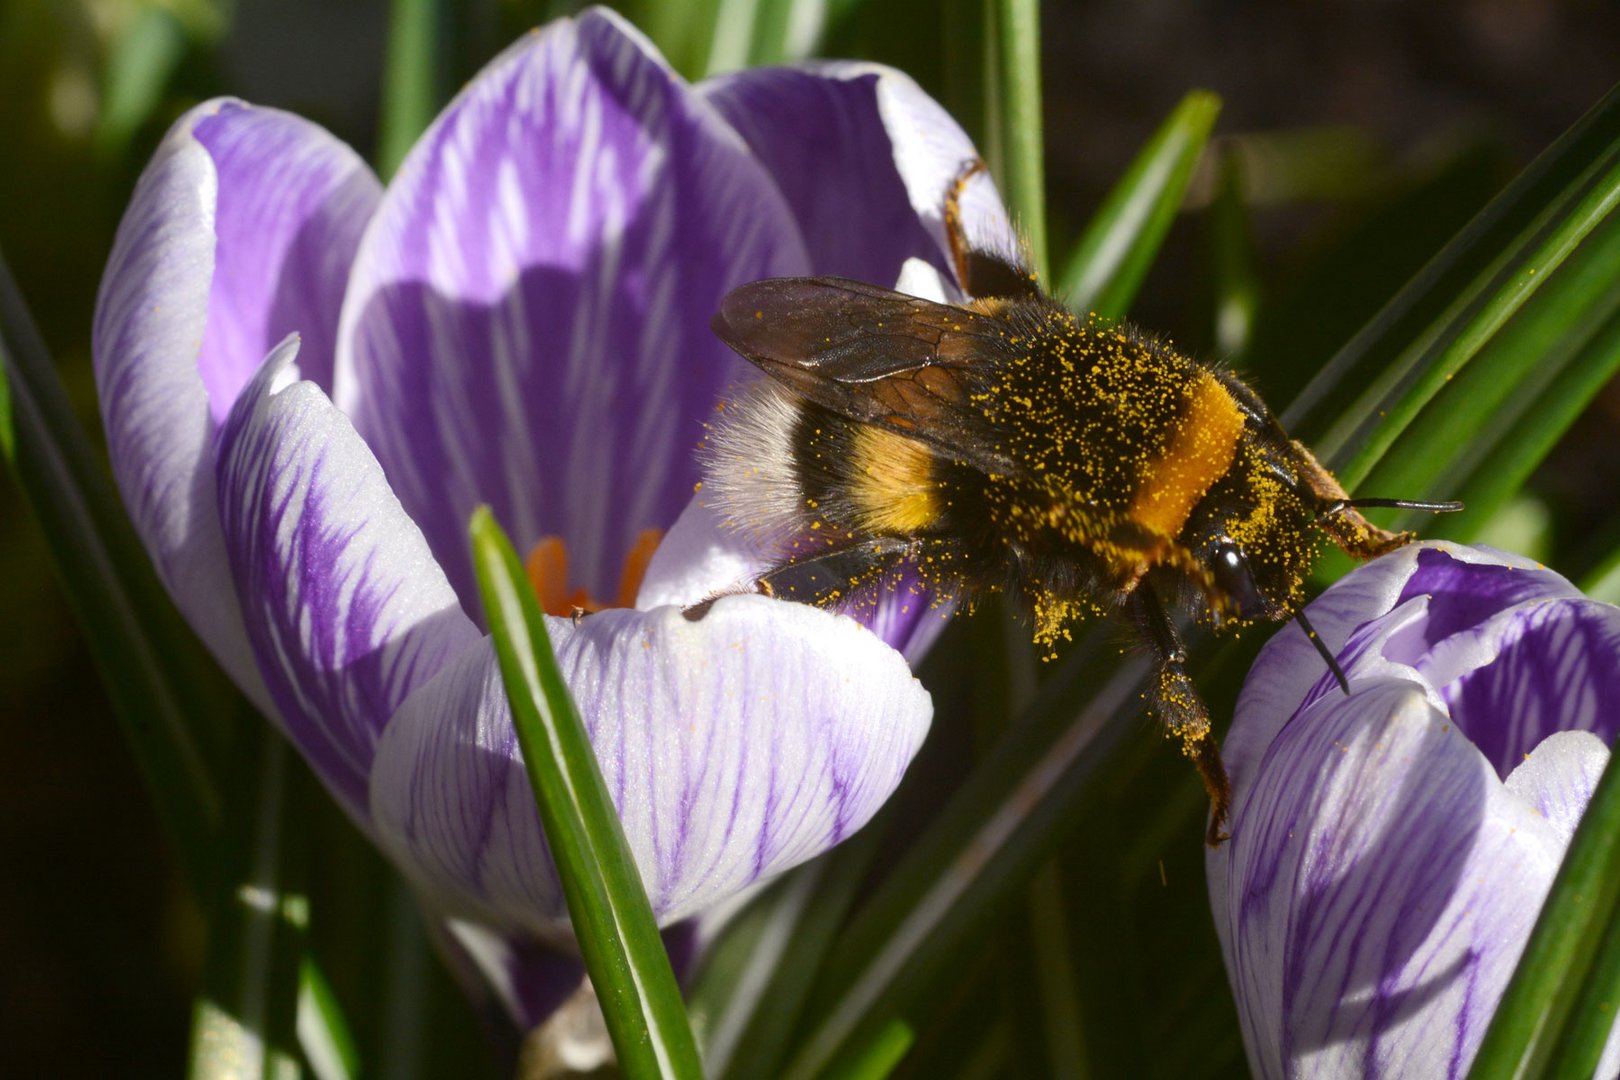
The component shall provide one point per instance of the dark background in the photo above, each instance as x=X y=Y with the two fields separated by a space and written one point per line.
x=1420 y=110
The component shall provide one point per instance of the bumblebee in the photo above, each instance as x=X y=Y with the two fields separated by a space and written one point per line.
x=1007 y=446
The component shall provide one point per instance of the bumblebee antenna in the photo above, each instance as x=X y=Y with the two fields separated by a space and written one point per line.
x=1322 y=649
x=1393 y=504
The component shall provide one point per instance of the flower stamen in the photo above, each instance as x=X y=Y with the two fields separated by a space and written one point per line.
x=547 y=566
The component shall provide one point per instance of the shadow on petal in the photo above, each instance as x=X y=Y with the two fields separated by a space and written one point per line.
x=591 y=438
x=734 y=748
x=1368 y=927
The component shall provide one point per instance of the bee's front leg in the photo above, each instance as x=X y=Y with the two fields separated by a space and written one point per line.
x=1175 y=701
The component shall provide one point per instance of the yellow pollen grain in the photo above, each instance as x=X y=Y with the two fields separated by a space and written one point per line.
x=1199 y=453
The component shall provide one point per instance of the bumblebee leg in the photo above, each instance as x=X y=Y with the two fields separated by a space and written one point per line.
x=1354 y=534
x=855 y=575
x=1175 y=701
x=982 y=274
x=829 y=578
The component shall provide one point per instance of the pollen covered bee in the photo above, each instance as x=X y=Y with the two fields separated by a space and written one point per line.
x=1008 y=446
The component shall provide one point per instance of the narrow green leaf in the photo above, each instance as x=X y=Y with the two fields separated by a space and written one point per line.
x=1395 y=399
x=787 y=32
x=989 y=839
x=1537 y=1017
x=323 y=1029
x=681 y=31
x=1235 y=284
x=732 y=35
x=1408 y=336
x=139 y=65
x=1578 y=1048
x=1112 y=257
x=245 y=1020
x=165 y=691
x=1462 y=431
x=768 y=1003
x=612 y=919
x=1022 y=172
x=1603 y=583
x=411 y=93
x=1046 y=942
x=880 y=1056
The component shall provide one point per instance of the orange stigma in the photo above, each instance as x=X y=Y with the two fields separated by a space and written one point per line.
x=548 y=574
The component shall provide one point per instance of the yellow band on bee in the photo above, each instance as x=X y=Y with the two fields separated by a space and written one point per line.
x=893 y=482
x=1200 y=453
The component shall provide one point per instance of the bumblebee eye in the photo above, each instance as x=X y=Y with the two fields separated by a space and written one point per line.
x=1236 y=581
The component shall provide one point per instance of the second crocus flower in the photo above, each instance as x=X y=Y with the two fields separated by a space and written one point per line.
x=1390 y=849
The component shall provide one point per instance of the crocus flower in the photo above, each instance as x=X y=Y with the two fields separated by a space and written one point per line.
x=1390 y=850
x=309 y=381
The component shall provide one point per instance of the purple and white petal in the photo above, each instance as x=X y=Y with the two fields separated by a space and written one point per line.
x=1557 y=778
x=346 y=610
x=1537 y=668
x=527 y=979
x=1289 y=670
x=1378 y=890
x=528 y=321
x=241 y=229
x=293 y=202
x=843 y=136
x=735 y=747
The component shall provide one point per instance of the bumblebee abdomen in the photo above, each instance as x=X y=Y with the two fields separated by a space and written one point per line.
x=791 y=469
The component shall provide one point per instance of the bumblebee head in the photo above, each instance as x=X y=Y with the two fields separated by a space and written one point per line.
x=1255 y=537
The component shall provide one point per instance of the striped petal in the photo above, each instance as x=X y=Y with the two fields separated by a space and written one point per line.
x=346 y=610
x=1289 y=670
x=734 y=747
x=1535 y=669
x=1390 y=848
x=241 y=230
x=866 y=159
x=1378 y=889
x=528 y=321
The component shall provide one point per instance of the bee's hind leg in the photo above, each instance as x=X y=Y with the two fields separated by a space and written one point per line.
x=847 y=576
x=981 y=273
x=1175 y=702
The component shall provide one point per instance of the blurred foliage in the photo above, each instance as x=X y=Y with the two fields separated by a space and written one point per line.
x=1352 y=146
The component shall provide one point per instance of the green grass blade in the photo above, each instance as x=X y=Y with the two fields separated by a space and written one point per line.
x=1603 y=582
x=164 y=690
x=1503 y=413
x=1112 y=257
x=881 y=1055
x=986 y=843
x=771 y=1005
x=1395 y=399
x=1022 y=175
x=245 y=1021
x=1406 y=337
x=323 y=1029
x=1538 y=1012
x=411 y=93
x=732 y=34
x=612 y=919
x=1579 y=1047
x=682 y=32
x=138 y=67
x=1235 y=283
x=788 y=31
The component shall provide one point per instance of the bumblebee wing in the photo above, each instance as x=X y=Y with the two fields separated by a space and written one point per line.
x=873 y=355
